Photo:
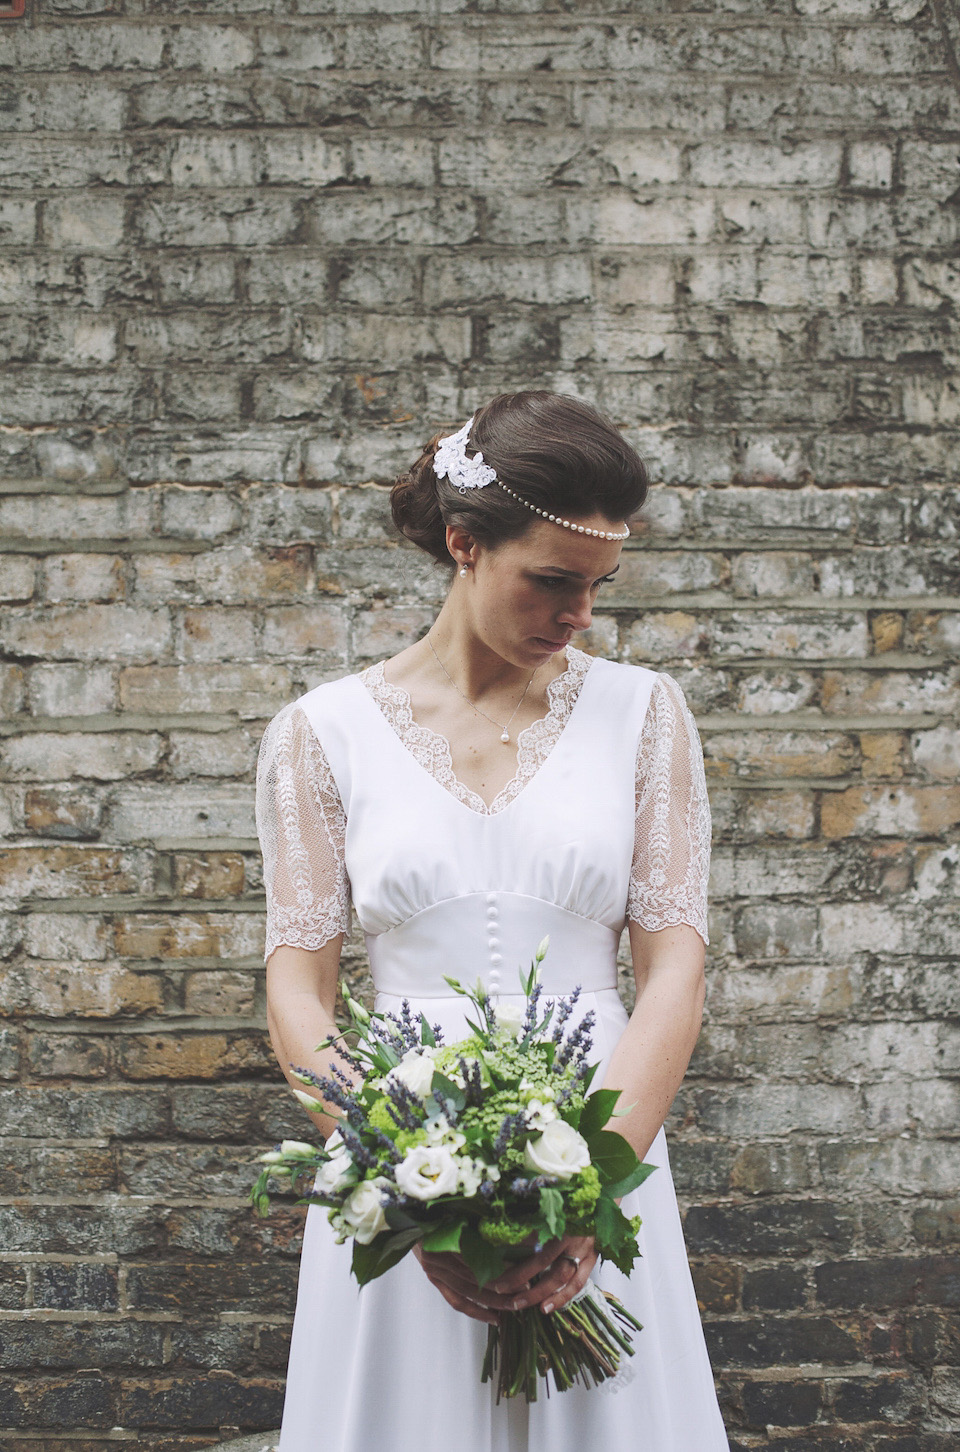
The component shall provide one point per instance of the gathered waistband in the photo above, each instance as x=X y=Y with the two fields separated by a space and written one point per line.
x=491 y=937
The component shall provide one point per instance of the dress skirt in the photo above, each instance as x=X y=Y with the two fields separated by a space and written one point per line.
x=393 y=1366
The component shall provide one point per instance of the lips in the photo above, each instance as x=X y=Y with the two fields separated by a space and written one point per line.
x=553 y=644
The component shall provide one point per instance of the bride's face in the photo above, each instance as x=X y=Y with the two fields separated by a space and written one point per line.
x=530 y=595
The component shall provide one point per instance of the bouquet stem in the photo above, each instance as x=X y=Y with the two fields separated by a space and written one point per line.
x=583 y=1342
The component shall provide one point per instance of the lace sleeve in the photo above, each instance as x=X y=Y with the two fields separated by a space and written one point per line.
x=302 y=827
x=671 y=855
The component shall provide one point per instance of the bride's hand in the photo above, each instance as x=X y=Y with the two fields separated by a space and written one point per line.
x=457 y=1284
x=549 y=1279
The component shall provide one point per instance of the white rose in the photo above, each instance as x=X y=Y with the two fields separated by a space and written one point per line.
x=510 y=1016
x=427 y=1171
x=415 y=1070
x=363 y=1213
x=559 y=1152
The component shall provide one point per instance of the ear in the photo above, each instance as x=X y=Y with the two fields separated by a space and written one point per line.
x=462 y=545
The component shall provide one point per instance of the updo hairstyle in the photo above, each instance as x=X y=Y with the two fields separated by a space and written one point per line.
x=560 y=454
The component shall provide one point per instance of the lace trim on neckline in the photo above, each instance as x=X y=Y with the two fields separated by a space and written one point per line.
x=432 y=750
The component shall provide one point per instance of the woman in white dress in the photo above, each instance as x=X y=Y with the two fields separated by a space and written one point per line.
x=489 y=785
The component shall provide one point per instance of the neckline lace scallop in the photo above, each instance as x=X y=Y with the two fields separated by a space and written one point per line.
x=432 y=749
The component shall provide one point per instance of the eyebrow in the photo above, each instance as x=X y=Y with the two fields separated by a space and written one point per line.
x=573 y=574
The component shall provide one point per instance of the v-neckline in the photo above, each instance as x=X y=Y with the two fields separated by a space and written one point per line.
x=431 y=750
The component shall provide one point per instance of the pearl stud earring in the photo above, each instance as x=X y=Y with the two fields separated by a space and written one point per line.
x=463 y=571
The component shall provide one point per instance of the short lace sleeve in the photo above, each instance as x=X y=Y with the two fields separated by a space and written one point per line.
x=302 y=828
x=671 y=855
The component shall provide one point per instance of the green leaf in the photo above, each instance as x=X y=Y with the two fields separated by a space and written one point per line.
x=450 y=1090
x=614 y=1235
x=384 y=1251
x=485 y=1260
x=597 y=1111
x=629 y=1182
x=611 y=1154
x=551 y=1208
x=426 y=1033
x=445 y=1237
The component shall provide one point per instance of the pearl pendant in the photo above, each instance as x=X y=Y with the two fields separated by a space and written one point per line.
x=505 y=736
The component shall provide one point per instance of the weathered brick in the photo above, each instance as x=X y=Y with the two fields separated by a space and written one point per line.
x=193 y=1056
x=71 y=872
x=103 y=756
x=250 y=262
x=91 y=632
x=248 y=690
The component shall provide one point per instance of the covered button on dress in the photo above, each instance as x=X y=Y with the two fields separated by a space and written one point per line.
x=605 y=819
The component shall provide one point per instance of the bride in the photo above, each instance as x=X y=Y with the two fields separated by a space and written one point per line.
x=488 y=785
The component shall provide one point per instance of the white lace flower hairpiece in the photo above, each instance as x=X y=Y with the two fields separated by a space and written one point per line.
x=451 y=462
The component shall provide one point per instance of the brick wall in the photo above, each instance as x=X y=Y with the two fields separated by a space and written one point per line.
x=250 y=255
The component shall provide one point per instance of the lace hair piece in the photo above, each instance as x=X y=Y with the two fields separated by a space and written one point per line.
x=671 y=859
x=302 y=829
x=452 y=462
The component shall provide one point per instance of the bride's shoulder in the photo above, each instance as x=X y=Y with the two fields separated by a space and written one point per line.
x=328 y=695
x=627 y=672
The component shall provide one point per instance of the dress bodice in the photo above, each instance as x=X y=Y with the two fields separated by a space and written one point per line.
x=605 y=819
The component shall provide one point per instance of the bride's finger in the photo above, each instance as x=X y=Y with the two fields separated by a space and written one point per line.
x=571 y=1287
x=463 y=1303
x=519 y=1276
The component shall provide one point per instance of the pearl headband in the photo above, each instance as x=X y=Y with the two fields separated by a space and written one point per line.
x=452 y=462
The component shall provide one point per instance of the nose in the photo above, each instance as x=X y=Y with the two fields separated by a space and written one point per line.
x=578 y=615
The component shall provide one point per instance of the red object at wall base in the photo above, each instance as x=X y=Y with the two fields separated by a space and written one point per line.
x=15 y=11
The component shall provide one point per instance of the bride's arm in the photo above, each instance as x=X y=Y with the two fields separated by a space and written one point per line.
x=301 y=997
x=652 y=1054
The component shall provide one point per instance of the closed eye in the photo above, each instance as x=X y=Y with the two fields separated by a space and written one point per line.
x=551 y=580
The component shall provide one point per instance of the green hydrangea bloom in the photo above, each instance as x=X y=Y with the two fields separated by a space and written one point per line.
x=586 y=1194
x=380 y=1117
x=503 y=1232
x=407 y=1138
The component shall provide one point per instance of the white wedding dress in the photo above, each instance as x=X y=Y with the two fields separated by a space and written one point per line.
x=606 y=819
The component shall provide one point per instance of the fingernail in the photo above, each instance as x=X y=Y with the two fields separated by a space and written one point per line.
x=548 y=1308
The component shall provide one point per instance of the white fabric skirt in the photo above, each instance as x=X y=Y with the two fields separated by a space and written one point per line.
x=393 y=1367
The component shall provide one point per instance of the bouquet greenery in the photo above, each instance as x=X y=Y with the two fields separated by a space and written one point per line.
x=489 y=1147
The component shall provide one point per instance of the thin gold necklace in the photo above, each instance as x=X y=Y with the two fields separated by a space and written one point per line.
x=504 y=729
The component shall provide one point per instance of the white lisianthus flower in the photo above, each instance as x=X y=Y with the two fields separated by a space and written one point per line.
x=337 y=1172
x=441 y=1131
x=559 y=1152
x=297 y=1148
x=540 y=1114
x=427 y=1171
x=415 y=1070
x=510 y=1016
x=471 y=1174
x=362 y=1211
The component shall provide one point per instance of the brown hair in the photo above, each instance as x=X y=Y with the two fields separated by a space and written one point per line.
x=557 y=452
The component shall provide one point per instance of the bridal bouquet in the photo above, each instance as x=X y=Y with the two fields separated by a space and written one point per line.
x=490 y=1147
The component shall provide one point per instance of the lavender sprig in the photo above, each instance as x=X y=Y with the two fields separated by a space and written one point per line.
x=513 y=1124
x=567 y=1006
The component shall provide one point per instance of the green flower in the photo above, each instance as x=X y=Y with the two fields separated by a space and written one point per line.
x=379 y=1117
x=585 y=1194
x=406 y=1139
x=503 y=1232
